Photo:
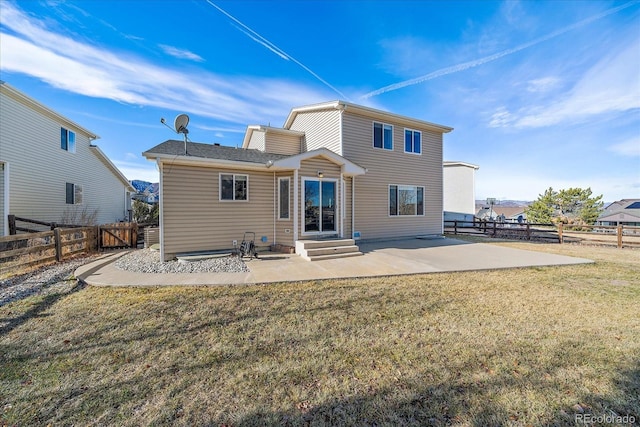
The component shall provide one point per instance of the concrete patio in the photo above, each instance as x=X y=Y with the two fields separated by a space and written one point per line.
x=397 y=257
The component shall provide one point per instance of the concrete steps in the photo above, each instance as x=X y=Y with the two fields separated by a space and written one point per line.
x=316 y=250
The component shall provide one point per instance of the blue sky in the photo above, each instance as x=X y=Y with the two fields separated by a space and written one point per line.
x=540 y=94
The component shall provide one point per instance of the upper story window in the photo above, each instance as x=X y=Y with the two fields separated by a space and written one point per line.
x=67 y=140
x=412 y=141
x=382 y=136
x=74 y=194
x=234 y=187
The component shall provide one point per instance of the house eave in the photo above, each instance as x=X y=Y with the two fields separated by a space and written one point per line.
x=202 y=161
x=368 y=112
x=266 y=130
x=293 y=162
x=46 y=111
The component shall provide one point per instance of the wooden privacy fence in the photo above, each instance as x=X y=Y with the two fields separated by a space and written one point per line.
x=119 y=235
x=620 y=236
x=46 y=246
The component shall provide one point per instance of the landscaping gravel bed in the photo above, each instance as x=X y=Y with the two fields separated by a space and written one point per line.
x=55 y=278
x=58 y=278
x=148 y=261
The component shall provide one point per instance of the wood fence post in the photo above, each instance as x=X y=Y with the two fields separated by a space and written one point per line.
x=97 y=237
x=528 y=231
x=619 y=233
x=58 y=243
x=560 y=239
x=455 y=227
x=12 y=224
x=494 y=229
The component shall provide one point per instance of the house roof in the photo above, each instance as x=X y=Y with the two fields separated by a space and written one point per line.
x=172 y=148
x=457 y=163
x=621 y=209
x=32 y=103
x=365 y=111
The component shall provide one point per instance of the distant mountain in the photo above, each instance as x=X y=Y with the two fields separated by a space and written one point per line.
x=147 y=191
x=505 y=203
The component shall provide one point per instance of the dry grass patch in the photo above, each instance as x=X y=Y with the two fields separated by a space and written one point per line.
x=511 y=347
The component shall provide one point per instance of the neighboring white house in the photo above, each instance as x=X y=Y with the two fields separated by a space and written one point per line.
x=50 y=170
x=459 y=195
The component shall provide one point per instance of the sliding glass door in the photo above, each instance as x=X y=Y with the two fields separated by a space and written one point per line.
x=319 y=206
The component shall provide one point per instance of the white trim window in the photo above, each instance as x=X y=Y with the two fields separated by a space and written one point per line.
x=406 y=200
x=412 y=141
x=284 y=198
x=67 y=140
x=234 y=187
x=73 y=194
x=382 y=136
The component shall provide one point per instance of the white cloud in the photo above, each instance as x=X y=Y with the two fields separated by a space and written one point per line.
x=180 y=53
x=501 y=118
x=630 y=148
x=490 y=58
x=610 y=86
x=544 y=84
x=95 y=71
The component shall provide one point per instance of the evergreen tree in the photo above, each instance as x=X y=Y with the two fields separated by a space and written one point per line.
x=574 y=205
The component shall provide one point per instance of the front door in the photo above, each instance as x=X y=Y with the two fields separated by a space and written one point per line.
x=319 y=206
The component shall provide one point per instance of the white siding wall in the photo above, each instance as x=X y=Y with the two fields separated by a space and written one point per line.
x=459 y=189
x=257 y=140
x=40 y=168
x=322 y=129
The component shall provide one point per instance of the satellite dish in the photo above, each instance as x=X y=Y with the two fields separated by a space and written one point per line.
x=180 y=124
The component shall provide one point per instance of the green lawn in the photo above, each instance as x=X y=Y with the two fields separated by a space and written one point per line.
x=508 y=347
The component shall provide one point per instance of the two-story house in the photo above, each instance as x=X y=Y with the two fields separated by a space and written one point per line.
x=51 y=171
x=335 y=170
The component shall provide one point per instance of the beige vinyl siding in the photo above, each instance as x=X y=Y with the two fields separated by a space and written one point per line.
x=309 y=169
x=194 y=218
x=257 y=140
x=282 y=225
x=322 y=129
x=279 y=143
x=40 y=169
x=386 y=167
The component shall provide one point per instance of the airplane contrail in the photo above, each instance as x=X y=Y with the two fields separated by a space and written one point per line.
x=484 y=60
x=275 y=49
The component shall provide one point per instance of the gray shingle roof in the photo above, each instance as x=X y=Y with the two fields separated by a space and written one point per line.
x=174 y=147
